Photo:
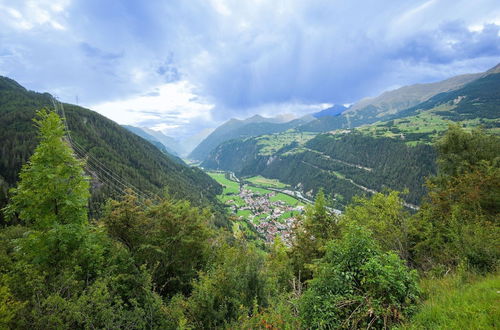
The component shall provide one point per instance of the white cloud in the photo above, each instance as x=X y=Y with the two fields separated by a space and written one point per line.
x=28 y=15
x=166 y=108
x=290 y=109
x=221 y=7
x=245 y=57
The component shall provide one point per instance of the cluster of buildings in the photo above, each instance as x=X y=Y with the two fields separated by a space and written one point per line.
x=268 y=216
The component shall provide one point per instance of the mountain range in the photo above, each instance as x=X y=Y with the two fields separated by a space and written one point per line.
x=365 y=111
x=166 y=144
x=235 y=129
x=390 y=148
x=389 y=103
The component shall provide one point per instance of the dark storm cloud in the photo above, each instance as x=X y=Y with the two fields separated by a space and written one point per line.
x=243 y=56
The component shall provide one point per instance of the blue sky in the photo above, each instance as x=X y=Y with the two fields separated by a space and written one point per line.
x=186 y=65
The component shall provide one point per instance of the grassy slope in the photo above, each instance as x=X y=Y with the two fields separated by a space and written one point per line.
x=230 y=187
x=285 y=198
x=455 y=303
x=424 y=127
x=262 y=181
x=273 y=142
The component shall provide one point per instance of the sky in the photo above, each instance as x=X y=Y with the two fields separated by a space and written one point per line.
x=184 y=66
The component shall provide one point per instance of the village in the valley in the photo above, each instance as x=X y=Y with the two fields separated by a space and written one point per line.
x=269 y=217
x=259 y=205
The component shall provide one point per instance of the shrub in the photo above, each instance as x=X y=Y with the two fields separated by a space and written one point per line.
x=357 y=285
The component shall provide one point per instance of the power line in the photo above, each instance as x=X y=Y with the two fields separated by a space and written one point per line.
x=97 y=166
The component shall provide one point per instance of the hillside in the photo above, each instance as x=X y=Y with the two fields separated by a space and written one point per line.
x=344 y=165
x=236 y=129
x=391 y=103
x=108 y=148
x=475 y=104
x=407 y=96
x=394 y=153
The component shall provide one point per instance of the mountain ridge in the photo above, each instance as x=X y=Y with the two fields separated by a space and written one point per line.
x=389 y=103
x=237 y=128
x=127 y=155
x=341 y=161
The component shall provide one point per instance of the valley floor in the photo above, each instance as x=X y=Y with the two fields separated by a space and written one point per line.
x=262 y=207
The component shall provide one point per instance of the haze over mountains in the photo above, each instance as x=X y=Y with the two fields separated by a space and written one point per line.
x=365 y=111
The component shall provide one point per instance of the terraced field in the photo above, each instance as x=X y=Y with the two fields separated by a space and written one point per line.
x=424 y=127
x=271 y=143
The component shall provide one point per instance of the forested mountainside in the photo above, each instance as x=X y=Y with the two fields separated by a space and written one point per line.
x=104 y=143
x=395 y=153
x=162 y=265
x=344 y=165
x=395 y=104
x=235 y=129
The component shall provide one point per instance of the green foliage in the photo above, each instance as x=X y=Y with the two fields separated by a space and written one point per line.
x=279 y=269
x=9 y=307
x=127 y=156
x=52 y=188
x=60 y=272
x=310 y=235
x=356 y=285
x=460 y=151
x=459 y=222
x=385 y=216
x=163 y=264
x=455 y=303
x=171 y=238
x=280 y=314
x=230 y=289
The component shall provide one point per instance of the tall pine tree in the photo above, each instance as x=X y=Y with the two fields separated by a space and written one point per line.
x=52 y=188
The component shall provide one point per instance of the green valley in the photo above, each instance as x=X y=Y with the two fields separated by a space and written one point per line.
x=260 y=207
x=267 y=165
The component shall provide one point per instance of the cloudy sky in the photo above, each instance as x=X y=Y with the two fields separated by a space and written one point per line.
x=184 y=65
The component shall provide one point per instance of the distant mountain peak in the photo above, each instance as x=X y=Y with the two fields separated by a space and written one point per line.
x=252 y=126
x=334 y=110
x=495 y=69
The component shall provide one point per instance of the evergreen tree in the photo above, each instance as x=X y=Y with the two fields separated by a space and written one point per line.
x=318 y=226
x=458 y=223
x=52 y=187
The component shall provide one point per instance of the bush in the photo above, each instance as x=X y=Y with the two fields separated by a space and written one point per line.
x=357 y=285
